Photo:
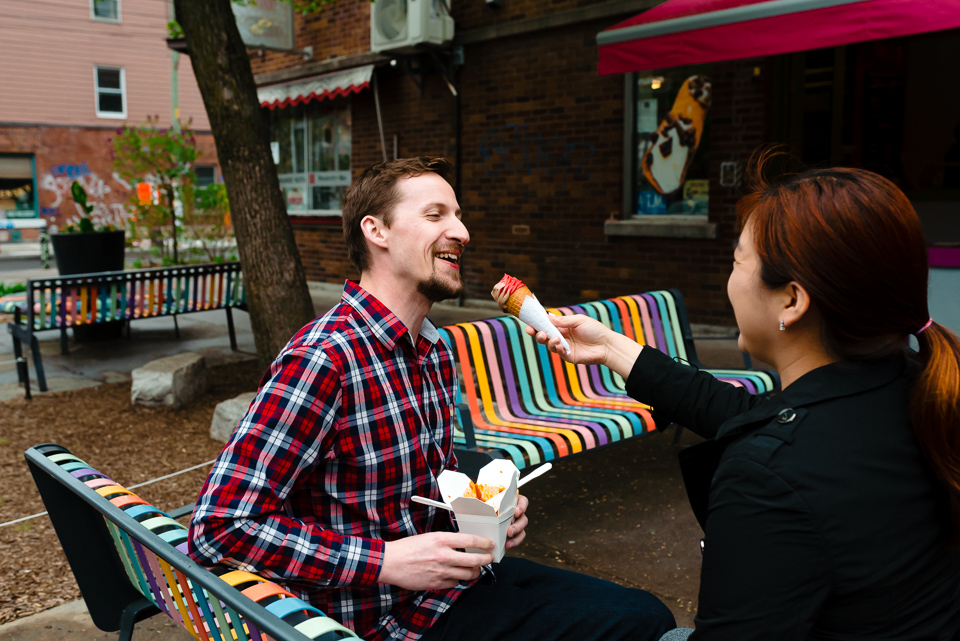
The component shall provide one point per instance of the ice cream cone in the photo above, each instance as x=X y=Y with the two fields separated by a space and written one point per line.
x=516 y=299
x=515 y=302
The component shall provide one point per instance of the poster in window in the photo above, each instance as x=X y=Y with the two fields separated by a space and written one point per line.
x=670 y=134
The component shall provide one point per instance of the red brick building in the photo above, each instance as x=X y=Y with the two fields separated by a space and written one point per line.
x=76 y=72
x=548 y=151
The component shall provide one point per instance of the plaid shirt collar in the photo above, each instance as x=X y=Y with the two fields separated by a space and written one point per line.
x=383 y=324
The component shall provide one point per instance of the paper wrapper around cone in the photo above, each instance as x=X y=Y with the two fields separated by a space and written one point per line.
x=488 y=519
x=533 y=314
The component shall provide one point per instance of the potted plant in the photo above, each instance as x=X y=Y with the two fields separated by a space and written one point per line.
x=82 y=247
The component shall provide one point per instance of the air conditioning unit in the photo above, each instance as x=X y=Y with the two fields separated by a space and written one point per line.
x=400 y=25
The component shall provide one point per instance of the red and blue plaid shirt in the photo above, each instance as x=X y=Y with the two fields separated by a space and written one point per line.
x=350 y=421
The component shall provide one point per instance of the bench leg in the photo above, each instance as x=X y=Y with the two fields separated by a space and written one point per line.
x=21 y=333
x=176 y=327
x=38 y=363
x=64 y=349
x=233 y=335
x=136 y=611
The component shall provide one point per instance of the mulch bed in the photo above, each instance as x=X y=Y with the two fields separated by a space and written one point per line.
x=131 y=444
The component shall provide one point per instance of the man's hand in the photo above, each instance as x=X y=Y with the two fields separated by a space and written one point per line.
x=517 y=530
x=432 y=561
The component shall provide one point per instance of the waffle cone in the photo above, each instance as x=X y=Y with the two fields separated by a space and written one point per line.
x=515 y=302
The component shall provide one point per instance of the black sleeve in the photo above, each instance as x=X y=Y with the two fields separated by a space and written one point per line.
x=685 y=395
x=766 y=570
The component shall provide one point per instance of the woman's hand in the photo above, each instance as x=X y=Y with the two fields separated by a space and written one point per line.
x=591 y=342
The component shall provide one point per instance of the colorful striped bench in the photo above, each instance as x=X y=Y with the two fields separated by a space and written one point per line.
x=129 y=559
x=519 y=401
x=85 y=300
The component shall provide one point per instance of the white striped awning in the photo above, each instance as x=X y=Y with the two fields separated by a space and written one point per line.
x=331 y=85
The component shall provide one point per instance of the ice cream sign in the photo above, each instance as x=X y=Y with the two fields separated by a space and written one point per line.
x=674 y=144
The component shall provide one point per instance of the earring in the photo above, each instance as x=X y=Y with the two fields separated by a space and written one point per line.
x=782 y=326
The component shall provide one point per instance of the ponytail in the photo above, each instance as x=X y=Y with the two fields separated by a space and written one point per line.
x=935 y=412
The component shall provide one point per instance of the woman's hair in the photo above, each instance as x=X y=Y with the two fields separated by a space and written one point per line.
x=854 y=242
x=375 y=194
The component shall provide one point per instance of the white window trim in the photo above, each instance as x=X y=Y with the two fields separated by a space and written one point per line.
x=96 y=18
x=97 y=90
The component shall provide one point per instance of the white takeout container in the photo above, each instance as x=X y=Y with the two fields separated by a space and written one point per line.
x=489 y=519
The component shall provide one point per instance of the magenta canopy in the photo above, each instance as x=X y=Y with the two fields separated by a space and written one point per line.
x=686 y=32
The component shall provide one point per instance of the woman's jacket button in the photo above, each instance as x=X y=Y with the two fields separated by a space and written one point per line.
x=786 y=416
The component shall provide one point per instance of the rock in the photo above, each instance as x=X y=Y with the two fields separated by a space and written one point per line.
x=172 y=381
x=228 y=414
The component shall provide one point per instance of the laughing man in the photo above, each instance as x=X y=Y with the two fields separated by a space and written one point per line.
x=353 y=418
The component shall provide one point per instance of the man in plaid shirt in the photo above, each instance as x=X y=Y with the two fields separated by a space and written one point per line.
x=352 y=419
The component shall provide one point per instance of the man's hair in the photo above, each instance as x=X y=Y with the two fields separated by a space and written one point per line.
x=375 y=194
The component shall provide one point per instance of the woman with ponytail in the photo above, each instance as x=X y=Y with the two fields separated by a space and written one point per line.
x=830 y=510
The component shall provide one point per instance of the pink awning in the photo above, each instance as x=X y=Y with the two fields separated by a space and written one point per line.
x=685 y=32
x=331 y=85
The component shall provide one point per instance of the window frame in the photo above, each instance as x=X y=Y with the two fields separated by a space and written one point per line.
x=661 y=225
x=290 y=178
x=96 y=18
x=122 y=92
x=35 y=196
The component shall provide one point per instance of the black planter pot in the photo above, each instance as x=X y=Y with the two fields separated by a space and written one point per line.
x=100 y=251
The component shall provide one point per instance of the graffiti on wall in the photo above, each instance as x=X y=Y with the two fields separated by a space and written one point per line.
x=511 y=148
x=58 y=181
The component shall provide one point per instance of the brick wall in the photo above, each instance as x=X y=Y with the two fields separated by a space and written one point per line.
x=64 y=154
x=542 y=148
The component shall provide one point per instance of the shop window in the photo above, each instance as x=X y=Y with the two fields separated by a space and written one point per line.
x=666 y=155
x=206 y=175
x=110 y=86
x=105 y=10
x=311 y=146
x=18 y=194
x=672 y=143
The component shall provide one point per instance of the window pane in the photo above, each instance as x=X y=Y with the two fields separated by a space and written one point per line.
x=108 y=78
x=343 y=141
x=280 y=134
x=206 y=175
x=322 y=143
x=672 y=142
x=110 y=102
x=327 y=197
x=106 y=9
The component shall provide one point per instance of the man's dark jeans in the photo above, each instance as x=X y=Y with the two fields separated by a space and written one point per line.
x=539 y=603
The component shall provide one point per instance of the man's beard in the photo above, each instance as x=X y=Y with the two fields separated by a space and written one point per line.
x=436 y=289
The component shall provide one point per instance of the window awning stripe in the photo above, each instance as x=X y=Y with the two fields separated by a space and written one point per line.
x=327 y=86
x=685 y=32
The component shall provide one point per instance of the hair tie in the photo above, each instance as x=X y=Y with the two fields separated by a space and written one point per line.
x=924 y=328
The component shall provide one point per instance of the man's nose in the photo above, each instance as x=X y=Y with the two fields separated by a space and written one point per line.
x=458 y=232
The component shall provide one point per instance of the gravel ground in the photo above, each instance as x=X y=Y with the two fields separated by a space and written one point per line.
x=132 y=444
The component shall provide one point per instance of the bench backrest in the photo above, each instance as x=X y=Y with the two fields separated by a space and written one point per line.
x=82 y=299
x=123 y=550
x=532 y=406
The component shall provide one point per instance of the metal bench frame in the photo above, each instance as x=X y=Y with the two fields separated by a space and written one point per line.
x=116 y=297
x=129 y=570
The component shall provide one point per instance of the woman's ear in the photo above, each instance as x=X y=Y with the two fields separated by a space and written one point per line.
x=796 y=303
x=374 y=230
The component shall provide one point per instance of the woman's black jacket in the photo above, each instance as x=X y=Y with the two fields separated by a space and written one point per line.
x=822 y=519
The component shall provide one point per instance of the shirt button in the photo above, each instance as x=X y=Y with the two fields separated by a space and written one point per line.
x=786 y=416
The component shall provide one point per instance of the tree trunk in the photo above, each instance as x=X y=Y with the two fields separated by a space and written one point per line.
x=276 y=285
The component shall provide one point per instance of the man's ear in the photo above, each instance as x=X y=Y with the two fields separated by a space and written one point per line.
x=375 y=231
x=796 y=303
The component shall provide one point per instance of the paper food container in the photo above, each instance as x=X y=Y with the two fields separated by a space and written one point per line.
x=489 y=519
